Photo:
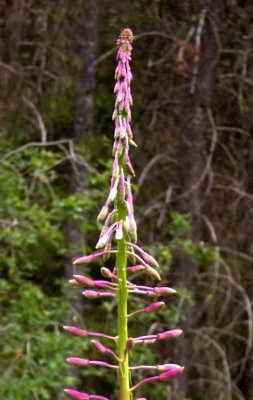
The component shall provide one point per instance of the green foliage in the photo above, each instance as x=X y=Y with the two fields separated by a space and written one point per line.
x=202 y=254
x=35 y=209
x=179 y=228
x=179 y=224
x=32 y=344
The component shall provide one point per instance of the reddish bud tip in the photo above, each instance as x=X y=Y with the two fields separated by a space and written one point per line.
x=127 y=34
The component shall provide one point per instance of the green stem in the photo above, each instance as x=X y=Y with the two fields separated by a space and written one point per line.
x=121 y=263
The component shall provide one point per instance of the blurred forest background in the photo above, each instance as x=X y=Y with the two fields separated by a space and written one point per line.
x=193 y=123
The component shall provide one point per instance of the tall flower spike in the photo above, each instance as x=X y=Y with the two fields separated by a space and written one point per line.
x=118 y=237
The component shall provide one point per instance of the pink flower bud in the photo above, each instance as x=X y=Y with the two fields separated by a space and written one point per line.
x=76 y=331
x=91 y=257
x=108 y=250
x=73 y=282
x=95 y=294
x=135 y=268
x=122 y=190
x=119 y=97
x=116 y=87
x=115 y=168
x=102 y=349
x=86 y=363
x=84 y=280
x=129 y=132
x=169 y=334
x=129 y=192
x=122 y=133
x=119 y=147
x=132 y=227
x=152 y=272
x=145 y=339
x=127 y=224
x=113 y=191
x=106 y=238
x=78 y=361
x=147 y=257
x=106 y=273
x=103 y=213
x=164 y=291
x=102 y=241
x=157 y=306
x=166 y=367
x=126 y=35
x=114 y=115
x=168 y=374
x=73 y=394
x=171 y=372
x=119 y=231
x=129 y=165
x=81 y=332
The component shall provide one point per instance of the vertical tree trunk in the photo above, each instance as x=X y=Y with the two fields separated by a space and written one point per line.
x=192 y=159
x=12 y=15
x=86 y=50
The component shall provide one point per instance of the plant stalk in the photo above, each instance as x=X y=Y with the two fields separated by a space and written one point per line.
x=121 y=263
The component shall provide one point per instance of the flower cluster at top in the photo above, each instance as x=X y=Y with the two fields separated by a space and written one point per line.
x=118 y=237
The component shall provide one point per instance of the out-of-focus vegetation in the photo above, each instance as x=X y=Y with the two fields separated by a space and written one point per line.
x=41 y=198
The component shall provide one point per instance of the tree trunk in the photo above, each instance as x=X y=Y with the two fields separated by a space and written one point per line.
x=192 y=162
x=86 y=50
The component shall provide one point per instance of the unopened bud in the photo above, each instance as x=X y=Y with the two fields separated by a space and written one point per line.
x=119 y=231
x=84 y=280
x=73 y=282
x=122 y=133
x=78 y=361
x=94 y=294
x=127 y=224
x=113 y=191
x=152 y=272
x=114 y=115
x=103 y=213
x=166 y=367
x=106 y=273
x=149 y=259
x=102 y=241
x=133 y=228
x=115 y=168
x=169 y=334
x=164 y=291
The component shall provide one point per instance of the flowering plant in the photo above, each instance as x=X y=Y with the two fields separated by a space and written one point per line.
x=118 y=237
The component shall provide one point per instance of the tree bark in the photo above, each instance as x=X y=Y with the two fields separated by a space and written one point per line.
x=192 y=161
x=86 y=50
